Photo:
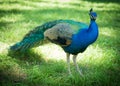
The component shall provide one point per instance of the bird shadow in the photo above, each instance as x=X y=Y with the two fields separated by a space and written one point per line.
x=27 y=56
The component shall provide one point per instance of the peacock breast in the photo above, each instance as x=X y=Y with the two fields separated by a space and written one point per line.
x=76 y=46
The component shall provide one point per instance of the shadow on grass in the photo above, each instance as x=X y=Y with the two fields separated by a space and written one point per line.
x=104 y=1
x=29 y=56
x=14 y=66
x=3 y=14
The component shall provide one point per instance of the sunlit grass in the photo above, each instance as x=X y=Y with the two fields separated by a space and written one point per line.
x=46 y=64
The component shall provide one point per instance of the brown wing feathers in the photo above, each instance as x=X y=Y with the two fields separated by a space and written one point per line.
x=60 y=34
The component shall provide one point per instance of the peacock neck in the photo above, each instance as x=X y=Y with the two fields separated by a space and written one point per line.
x=92 y=31
x=92 y=26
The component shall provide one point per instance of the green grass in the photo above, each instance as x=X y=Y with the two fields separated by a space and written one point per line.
x=41 y=66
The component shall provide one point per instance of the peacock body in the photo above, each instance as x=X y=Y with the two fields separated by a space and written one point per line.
x=74 y=37
x=57 y=31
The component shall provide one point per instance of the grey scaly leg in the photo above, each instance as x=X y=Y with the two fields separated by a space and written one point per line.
x=68 y=63
x=76 y=65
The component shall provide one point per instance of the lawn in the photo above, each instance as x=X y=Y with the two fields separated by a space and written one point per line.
x=46 y=65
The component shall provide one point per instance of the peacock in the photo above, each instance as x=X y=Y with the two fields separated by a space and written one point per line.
x=72 y=36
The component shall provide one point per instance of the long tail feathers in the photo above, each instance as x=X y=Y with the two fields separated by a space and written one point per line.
x=28 y=42
x=33 y=38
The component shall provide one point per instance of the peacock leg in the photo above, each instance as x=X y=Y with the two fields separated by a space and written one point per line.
x=76 y=65
x=68 y=63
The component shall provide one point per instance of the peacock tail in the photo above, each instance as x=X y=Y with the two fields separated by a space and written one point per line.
x=36 y=36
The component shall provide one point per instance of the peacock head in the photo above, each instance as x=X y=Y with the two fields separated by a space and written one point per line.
x=92 y=14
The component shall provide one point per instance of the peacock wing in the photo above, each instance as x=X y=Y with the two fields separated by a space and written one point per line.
x=60 y=34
